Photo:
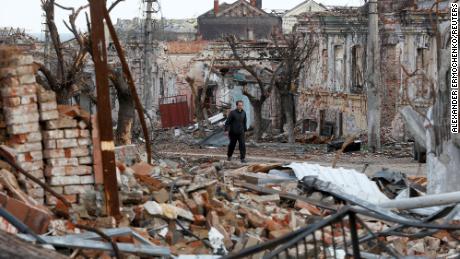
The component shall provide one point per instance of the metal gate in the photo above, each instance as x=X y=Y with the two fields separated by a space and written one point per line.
x=174 y=111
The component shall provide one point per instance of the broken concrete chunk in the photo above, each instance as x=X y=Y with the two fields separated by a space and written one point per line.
x=161 y=196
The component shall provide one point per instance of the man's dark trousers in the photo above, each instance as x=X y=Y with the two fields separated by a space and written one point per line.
x=242 y=145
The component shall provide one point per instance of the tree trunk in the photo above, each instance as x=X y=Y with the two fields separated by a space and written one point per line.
x=257 y=107
x=126 y=115
x=288 y=108
x=126 y=110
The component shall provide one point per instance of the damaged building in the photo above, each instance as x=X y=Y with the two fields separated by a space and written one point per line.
x=244 y=19
x=333 y=89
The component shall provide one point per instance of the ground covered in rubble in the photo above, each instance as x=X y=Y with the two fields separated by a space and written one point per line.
x=397 y=158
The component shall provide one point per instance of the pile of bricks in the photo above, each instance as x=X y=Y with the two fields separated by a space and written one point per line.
x=18 y=90
x=51 y=141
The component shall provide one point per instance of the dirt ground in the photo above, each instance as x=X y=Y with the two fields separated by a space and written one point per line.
x=394 y=158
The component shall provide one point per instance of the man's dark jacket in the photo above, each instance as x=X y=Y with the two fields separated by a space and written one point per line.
x=236 y=122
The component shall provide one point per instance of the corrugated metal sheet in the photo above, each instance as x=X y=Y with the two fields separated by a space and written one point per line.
x=349 y=181
x=174 y=111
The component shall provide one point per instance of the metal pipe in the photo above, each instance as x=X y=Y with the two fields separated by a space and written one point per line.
x=423 y=201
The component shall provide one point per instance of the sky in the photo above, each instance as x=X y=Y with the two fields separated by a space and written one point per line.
x=27 y=14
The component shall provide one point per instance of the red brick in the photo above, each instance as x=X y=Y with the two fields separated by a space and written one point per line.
x=17 y=208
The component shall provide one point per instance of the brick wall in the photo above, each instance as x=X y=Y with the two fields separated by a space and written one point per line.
x=52 y=145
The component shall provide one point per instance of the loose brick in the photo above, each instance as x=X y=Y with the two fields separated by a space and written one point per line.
x=62 y=161
x=23 y=138
x=58 y=189
x=53 y=134
x=28 y=99
x=77 y=152
x=36 y=192
x=49 y=115
x=32 y=166
x=11 y=101
x=30 y=156
x=85 y=134
x=46 y=96
x=68 y=170
x=30 y=117
x=84 y=142
x=8 y=84
x=53 y=153
x=64 y=180
x=37 y=173
x=87 y=179
x=66 y=143
x=27 y=79
x=33 y=185
x=50 y=144
x=87 y=160
x=12 y=90
x=25 y=70
x=62 y=123
x=23 y=128
x=20 y=110
x=7 y=72
x=77 y=189
x=71 y=133
x=49 y=106
x=27 y=147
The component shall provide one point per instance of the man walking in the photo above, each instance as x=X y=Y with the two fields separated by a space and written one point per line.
x=236 y=128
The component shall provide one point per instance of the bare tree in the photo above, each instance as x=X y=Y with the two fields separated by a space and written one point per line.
x=69 y=69
x=264 y=87
x=294 y=58
x=69 y=79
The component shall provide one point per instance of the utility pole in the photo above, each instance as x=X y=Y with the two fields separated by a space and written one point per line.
x=149 y=58
x=373 y=79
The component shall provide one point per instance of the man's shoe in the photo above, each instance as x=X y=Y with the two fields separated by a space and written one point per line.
x=229 y=158
x=243 y=161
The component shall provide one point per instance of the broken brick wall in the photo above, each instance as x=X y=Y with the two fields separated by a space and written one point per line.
x=353 y=108
x=51 y=143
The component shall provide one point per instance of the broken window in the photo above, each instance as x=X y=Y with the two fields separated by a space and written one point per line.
x=357 y=71
x=339 y=70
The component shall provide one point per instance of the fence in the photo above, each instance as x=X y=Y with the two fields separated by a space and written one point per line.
x=174 y=111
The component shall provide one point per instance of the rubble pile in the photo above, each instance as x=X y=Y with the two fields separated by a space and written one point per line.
x=215 y=207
